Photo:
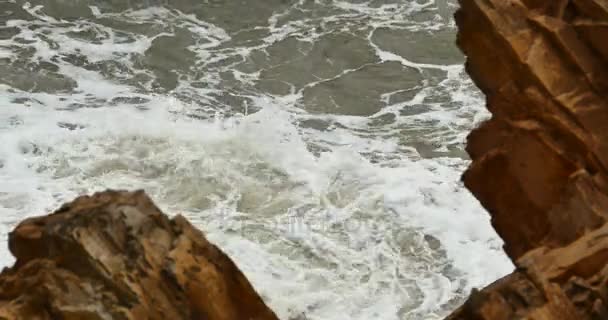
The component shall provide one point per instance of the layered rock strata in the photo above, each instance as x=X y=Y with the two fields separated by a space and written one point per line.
x=540 y=164
x=115 y=255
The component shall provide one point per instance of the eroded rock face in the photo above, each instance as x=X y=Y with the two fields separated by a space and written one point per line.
x=540 y=164
x=114 y=255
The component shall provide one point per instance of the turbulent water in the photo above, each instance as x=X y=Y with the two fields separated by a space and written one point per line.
x=318 y=142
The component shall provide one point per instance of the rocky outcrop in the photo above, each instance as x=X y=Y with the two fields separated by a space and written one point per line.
x=540 y=164
x=114 y=255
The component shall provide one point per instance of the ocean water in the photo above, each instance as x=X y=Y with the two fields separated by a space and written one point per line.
x=318 y=142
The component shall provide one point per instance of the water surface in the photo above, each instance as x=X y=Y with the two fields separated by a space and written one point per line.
x=318 y=142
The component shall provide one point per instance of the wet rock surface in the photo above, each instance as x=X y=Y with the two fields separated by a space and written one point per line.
x=114 y=255
x=540 y=163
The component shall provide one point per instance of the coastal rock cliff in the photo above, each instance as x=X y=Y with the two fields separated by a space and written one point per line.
x=114 y=255
x=540 y=163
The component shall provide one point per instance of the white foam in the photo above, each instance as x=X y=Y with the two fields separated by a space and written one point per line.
x=172 y=157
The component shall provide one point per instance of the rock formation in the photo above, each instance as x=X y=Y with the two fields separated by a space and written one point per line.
x=114 y=255
x=540 y=164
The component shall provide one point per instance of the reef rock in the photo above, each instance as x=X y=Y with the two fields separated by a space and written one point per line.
x=540 y=163
x=115 y=255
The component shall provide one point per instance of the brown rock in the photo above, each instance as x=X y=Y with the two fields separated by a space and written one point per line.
x=540 y=163
x=114 y=255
